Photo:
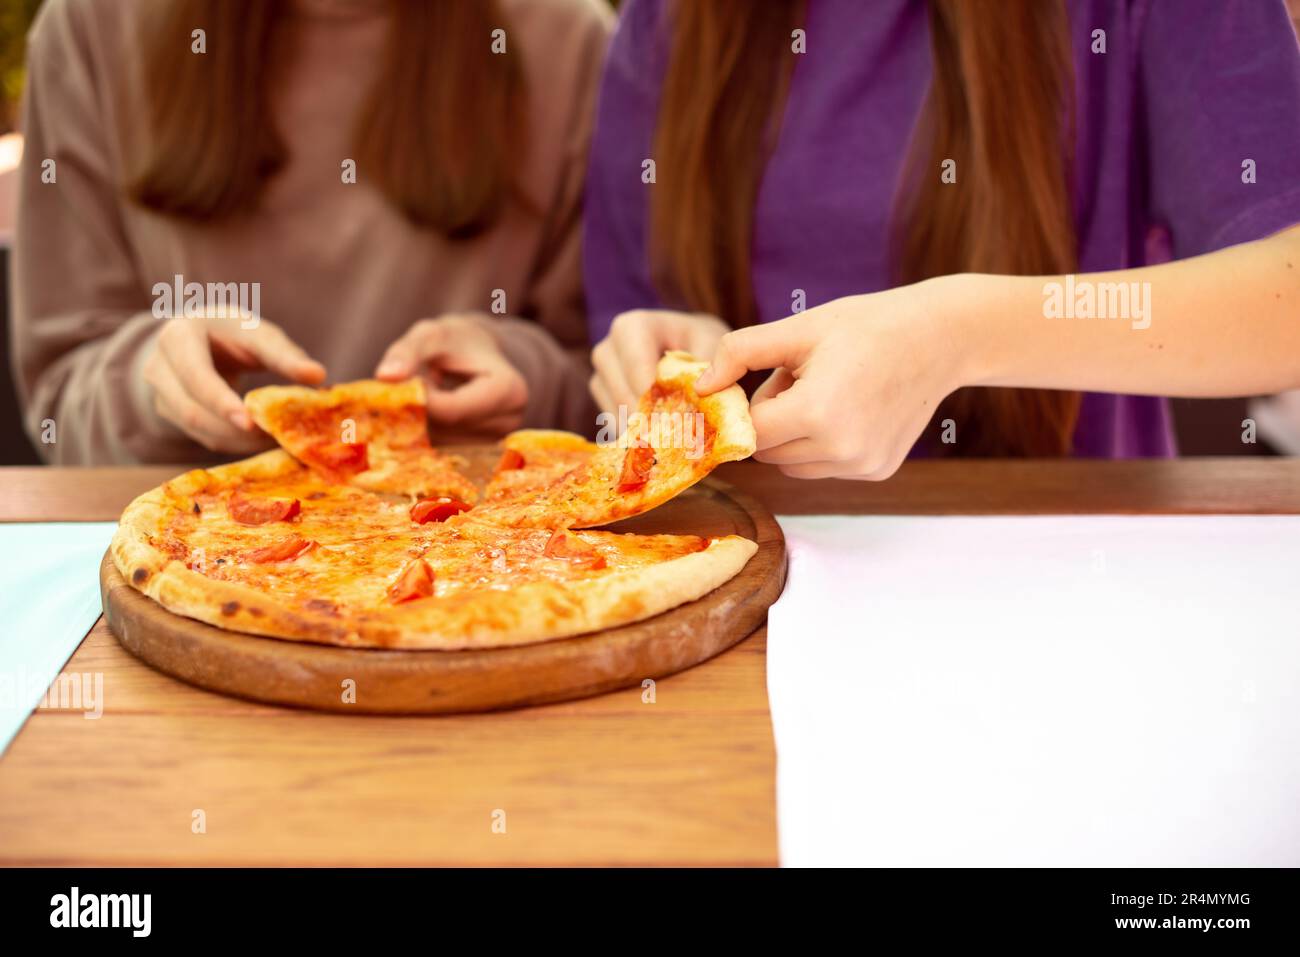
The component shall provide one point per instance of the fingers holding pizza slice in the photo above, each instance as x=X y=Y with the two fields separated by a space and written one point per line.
x=369 y=434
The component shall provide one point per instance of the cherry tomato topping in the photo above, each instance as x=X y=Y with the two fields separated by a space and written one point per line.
x=636 y=468
x=345 y=457
x=260 y=511
x=416 y=581
x=510 y=460
x=282 y=551
x=436 y=509
x=571 y=548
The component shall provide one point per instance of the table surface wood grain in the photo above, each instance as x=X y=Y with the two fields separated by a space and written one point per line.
x=687 y=779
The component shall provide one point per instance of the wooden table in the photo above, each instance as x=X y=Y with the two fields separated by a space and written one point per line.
x=688 y=779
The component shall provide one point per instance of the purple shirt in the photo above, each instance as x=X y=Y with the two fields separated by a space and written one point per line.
x=1185 y=92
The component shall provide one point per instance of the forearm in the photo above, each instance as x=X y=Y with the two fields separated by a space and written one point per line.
x=1223 y=324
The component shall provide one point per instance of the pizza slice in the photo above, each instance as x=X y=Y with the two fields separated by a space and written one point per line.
x=369 y=434
x=533 y=460
x=672 y=440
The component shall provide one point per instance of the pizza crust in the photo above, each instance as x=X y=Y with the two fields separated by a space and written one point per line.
x=132 y=546
x=539 y=611
x=726 y=410
x=169 y=582
x=524 y=440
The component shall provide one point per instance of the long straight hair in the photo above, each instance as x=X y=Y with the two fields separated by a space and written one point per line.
x=441 y=135
x=1000 y=104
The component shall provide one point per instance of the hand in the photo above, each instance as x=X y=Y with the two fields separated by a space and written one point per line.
x=856 y=380
x=194 y=364
x=626 y=359
x=474 y=386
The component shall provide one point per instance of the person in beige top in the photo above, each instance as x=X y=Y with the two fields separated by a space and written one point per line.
x=336 y=189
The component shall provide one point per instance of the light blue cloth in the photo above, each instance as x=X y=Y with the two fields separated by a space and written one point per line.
x=49 y=600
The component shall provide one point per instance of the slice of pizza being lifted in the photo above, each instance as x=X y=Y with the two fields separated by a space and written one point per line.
x=672 y=440
x=369 y=434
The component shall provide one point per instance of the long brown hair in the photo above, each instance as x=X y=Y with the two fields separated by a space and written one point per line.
x=441 y=136
x=999 y=104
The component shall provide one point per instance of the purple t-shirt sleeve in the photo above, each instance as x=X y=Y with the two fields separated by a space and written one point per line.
x=615 y=233
x=1219 y=84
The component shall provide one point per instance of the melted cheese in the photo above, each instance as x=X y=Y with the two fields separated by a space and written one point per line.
x=363 y=542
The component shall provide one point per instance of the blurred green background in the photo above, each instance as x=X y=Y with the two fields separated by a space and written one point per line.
x=15 y=17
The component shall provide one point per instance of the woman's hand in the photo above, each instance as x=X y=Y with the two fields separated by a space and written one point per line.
x=859 y=378
x=475 y=388
x=626 y=359
x=856 y=379
x=194 y=364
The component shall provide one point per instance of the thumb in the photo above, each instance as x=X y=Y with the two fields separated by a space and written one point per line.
x=768 y=346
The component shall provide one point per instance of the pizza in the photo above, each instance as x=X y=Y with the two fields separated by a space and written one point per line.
x=370 y=434
x=302 y=543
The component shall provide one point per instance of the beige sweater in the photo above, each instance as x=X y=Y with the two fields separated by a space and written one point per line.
x=340 y=269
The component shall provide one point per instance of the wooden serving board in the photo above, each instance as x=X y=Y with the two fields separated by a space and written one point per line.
x=305 y=675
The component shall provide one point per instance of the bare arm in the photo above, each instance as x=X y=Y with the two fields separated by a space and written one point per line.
x=1223 y=324
x=860 y=377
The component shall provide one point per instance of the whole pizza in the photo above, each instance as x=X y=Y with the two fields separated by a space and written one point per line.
x=358 y=532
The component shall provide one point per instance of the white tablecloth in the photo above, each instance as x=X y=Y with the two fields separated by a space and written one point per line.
x=1107 y=690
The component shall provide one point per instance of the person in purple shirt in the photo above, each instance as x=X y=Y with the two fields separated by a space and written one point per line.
x=943 y=224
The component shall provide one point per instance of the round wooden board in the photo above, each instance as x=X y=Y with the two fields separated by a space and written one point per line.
x=304 y=675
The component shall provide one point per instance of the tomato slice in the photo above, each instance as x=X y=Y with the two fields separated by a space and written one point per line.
x=347 y=458
x=285 y=550
x=510 y=460
x=571 y=548
x=638 y=462
x=416 y=581
x=260 y=511
x=436 y=509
